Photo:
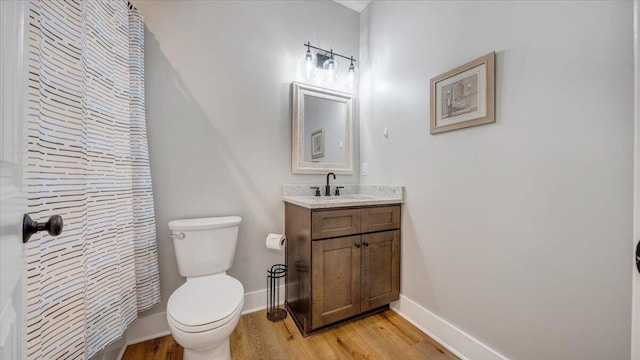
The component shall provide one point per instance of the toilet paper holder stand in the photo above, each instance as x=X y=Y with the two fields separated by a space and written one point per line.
x=275 y=276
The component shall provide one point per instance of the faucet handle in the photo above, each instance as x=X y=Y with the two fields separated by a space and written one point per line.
x=317 y=189
x=338 y=190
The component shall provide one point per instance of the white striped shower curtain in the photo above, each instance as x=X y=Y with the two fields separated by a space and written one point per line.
x=87 y=160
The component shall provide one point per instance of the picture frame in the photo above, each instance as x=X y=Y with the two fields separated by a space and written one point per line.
x=465 y=96
x=317 y=144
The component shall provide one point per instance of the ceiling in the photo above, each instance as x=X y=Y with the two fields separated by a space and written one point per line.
x=357 y=5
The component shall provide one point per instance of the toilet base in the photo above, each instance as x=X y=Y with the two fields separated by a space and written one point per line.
x=220 y=352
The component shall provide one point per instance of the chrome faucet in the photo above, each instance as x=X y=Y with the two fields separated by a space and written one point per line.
x=327 y=189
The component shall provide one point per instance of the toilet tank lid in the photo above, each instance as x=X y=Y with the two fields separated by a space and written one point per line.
x=204 y=223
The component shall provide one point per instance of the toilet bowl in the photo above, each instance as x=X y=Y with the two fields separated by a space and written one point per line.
x=203 y=312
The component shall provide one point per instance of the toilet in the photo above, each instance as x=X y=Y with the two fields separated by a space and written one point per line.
x=203 y=312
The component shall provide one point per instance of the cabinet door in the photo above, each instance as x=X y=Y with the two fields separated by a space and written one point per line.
x=335 y=280
x=380 y=269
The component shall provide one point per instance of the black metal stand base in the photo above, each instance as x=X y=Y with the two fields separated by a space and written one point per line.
x=276 y=314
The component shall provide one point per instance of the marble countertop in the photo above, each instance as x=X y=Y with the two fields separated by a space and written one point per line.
x=352 y=195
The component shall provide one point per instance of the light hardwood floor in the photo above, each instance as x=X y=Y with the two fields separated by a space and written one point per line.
x=381 y=336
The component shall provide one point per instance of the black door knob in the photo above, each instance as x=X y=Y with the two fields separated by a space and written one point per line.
x=638 y=256
x=30 y=227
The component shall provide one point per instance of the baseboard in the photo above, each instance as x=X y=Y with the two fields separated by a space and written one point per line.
x=113 y=351
x=147 y=327
x=122 y=351
x=257 y=300
x=448 y=335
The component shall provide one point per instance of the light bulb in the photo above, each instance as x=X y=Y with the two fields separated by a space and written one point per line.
x=330 y=67
x=352 y=77
x=308 y=64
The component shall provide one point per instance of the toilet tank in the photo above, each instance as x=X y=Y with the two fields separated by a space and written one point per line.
x=204 y=246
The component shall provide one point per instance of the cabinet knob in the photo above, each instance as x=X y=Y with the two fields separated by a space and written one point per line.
x=365 y=243
x=357 y=245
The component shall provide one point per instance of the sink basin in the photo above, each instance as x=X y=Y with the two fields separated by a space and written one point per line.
x=354 y=196
x=338 y=197
x=315 y=202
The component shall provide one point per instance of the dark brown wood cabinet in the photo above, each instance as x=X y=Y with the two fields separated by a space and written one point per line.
x=342 y=262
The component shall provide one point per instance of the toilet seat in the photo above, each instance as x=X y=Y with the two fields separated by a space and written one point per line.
x=205 y=327
x=205 y=303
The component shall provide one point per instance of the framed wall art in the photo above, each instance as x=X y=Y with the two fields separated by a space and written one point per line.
x=317 y=144
x=464 y=96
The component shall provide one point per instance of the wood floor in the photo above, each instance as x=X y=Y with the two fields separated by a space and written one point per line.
x=382 y=336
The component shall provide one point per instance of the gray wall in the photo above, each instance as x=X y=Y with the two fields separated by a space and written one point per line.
x=517 y=232
x=218 y=77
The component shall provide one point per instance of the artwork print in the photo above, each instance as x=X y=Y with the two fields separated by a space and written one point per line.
x=465 y=96
x=317 y=144
x=460 y=97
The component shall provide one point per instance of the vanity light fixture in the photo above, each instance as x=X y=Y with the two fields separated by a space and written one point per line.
x=325 y=59
x=330 y=67
x=308 y=63
x=352 y=76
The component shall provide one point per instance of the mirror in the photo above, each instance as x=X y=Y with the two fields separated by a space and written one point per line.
x=322 y=131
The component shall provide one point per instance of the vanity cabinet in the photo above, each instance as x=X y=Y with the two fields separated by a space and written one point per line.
x=342 y=262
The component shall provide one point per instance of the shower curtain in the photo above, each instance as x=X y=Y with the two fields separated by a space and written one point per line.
x=87 y=160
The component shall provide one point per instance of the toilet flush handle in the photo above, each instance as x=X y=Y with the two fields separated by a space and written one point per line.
x=177 y=236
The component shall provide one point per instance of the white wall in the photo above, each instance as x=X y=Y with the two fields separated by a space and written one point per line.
x=218 y=77
x=516 y=232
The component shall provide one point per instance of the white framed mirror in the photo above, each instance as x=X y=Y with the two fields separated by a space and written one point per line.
x=321 y=130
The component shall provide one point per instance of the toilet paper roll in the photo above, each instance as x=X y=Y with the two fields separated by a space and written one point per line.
x=275 y=241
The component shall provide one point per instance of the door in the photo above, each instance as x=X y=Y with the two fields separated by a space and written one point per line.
x=12 y=199
x=380 y=269
x=335 y=279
